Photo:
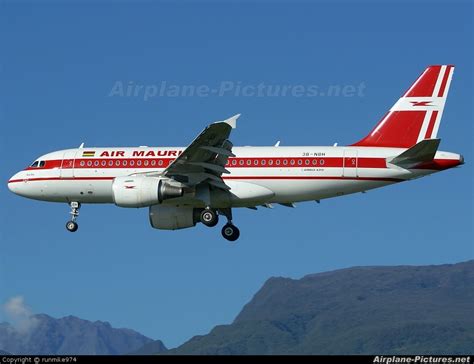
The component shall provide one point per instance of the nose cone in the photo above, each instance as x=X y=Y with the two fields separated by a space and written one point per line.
x=15 y=183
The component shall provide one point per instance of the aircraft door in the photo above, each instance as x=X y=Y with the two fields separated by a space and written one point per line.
x=350 y=163
x=67 y=165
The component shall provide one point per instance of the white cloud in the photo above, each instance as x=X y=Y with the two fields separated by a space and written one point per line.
x=20 y=315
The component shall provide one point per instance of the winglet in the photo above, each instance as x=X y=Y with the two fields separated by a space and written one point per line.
x=232 y=121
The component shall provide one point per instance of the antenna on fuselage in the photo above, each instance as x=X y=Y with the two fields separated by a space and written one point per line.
x=81 y=146
x=277 y=144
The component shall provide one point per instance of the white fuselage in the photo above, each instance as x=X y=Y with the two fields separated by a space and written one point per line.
x=257 y=174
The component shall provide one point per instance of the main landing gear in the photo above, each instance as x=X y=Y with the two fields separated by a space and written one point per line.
x=209 y=217
x=72 y=225
x=230 y=232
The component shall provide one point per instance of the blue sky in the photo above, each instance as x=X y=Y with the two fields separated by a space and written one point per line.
x=59 y=62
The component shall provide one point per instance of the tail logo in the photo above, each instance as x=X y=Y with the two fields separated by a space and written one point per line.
x=421 y=103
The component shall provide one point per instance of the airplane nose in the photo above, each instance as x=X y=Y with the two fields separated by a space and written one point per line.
x=13 y=183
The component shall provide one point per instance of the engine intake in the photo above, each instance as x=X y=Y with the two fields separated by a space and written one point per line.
x=141 y=191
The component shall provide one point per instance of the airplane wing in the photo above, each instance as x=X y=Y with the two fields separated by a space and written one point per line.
x=205 y=158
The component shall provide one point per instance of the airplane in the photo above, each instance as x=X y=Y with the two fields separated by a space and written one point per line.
x=210 y=177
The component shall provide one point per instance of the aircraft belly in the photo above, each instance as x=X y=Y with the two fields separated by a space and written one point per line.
x=307 y=190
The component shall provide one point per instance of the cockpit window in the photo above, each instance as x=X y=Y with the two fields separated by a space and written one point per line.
x=37 y=164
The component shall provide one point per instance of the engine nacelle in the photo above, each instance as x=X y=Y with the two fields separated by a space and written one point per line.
x=172 y=218
x=141 y=191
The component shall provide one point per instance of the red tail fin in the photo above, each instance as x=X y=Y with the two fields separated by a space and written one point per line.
x=416 y=115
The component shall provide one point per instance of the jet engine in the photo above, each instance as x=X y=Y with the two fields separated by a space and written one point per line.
x=141 y=191
x=172 y=218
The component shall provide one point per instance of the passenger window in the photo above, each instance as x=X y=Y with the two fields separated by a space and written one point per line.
x=263 y=162
x=255 y=162
x=241 y=162
x=234 y=162
x=270 y=162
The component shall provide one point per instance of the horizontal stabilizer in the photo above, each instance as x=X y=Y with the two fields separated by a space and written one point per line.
x=421 y=152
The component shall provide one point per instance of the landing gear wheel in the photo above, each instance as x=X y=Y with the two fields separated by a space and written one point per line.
x=230 y=232
x=72 y=226
x=209 y=217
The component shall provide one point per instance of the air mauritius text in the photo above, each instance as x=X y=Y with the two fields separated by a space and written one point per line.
x=232 y=88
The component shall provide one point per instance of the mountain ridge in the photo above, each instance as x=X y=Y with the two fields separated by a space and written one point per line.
x=69 y=335
x=399 y=309
x=358 y=310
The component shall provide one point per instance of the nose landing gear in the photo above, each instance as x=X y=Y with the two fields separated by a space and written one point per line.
x=72 y=225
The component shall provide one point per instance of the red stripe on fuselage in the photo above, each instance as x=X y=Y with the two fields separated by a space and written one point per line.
x=315 y=178
x=229 y=177
x=60 y=179
x=250 y=162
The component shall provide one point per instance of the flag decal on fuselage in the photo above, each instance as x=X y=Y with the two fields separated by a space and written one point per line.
x=88 y=154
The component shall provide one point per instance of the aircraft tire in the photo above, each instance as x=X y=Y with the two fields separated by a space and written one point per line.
x=72 y=226
x=209 y=217
x=230 y=232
